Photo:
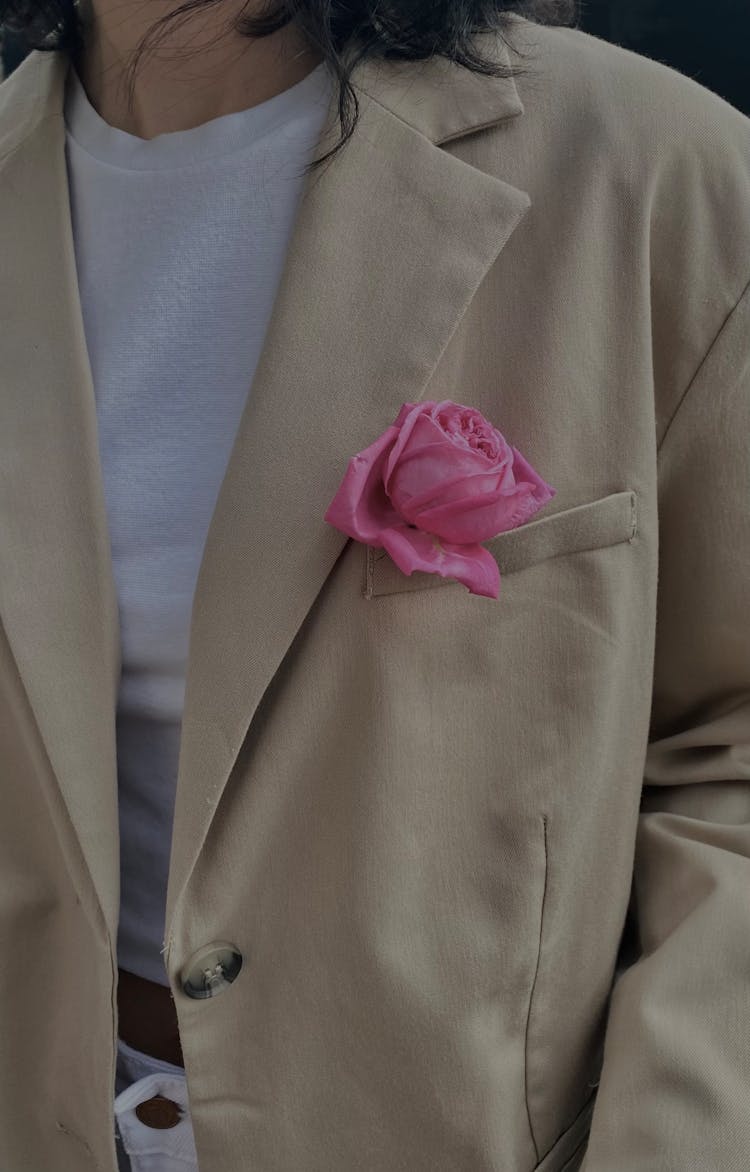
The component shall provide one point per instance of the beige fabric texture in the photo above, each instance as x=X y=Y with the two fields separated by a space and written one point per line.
x=486 y=860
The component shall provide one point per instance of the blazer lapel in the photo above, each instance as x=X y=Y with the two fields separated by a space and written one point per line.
x=391 y=242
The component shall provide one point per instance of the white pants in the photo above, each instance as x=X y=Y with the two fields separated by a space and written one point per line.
x=140 y=1147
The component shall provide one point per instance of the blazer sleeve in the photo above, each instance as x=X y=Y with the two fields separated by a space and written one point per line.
x=674 y=1089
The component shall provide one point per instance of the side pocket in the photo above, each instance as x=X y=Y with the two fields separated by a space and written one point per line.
x=567 y=1154
x=575 y=1161
x=536 y=974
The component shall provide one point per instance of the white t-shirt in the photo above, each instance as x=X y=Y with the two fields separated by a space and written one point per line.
x=180 y=242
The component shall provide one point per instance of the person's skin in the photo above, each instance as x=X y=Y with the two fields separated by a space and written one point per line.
x=197 y=71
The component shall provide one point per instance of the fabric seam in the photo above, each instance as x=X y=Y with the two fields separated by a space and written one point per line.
x=717 y=337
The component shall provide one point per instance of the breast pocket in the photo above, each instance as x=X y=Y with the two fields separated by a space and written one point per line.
x=602 y=522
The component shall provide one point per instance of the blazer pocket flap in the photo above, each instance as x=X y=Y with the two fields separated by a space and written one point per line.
x=606 y=521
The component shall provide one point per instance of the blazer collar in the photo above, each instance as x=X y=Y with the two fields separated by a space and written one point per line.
x=391 y=242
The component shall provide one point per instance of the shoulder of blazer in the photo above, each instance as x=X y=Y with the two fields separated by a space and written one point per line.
x=587 y=80
x=674 y=160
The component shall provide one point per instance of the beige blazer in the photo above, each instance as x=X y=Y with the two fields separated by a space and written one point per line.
x=470 y=877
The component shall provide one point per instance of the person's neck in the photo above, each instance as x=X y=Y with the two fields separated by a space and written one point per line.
x=203 y=74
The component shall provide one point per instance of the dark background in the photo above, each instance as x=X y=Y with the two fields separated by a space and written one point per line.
x=708 y=41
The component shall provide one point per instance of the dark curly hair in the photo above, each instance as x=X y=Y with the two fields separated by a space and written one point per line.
x=343 y=31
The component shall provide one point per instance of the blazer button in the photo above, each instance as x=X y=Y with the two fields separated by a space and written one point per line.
x=211 y=970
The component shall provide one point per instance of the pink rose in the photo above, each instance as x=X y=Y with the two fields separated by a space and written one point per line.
x=437 y=482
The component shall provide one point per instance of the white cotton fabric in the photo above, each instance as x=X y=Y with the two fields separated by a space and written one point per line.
x=180 y=242
x=141 y=1148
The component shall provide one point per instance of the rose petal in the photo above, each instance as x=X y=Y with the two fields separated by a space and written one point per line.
x=406 y=420
x=481 y=518
x=472 y=565
x=360 y=507
x=466 y=489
